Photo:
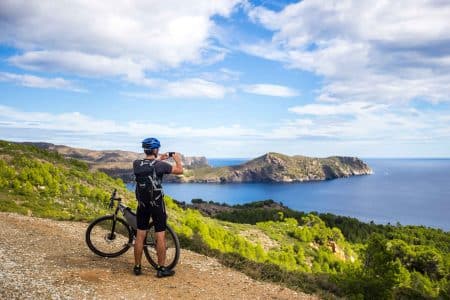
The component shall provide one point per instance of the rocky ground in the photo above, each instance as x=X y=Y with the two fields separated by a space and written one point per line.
x=46 y=259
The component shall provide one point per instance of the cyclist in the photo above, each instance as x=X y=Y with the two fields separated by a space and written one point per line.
x=149 y=194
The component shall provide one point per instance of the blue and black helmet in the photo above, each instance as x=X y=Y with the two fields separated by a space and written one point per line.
x=150 y=143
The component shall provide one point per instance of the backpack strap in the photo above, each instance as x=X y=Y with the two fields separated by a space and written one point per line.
x=153 y=180
x=153 y=177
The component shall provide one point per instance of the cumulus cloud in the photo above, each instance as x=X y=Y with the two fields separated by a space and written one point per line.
x=384 y=52
x=40 y=82
x=270 y=90
x=98 y=38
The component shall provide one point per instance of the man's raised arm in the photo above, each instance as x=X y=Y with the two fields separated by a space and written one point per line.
x=178 y=168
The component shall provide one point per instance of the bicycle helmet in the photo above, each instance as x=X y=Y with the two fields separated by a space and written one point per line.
x=150 y=143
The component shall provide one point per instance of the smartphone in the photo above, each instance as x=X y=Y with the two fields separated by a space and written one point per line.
x=171 y=154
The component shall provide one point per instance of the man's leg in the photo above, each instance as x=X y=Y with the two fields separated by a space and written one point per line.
x=161 y=252
x=139 y=246
x=160 y=219
x=160 y=238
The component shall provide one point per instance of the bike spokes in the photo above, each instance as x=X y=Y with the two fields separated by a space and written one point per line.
x=172 y=248
x=109 y=237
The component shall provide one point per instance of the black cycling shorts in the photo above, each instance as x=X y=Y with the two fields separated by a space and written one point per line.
x=157 y=212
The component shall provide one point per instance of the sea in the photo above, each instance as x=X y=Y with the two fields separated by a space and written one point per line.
x=405 y=191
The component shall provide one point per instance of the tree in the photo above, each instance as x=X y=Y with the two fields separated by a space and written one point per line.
x=382 y=271
x=429 y=262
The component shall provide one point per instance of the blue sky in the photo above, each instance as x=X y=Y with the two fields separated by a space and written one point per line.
x=229 y=78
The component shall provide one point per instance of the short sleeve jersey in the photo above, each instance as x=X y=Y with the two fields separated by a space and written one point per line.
x=162 y=168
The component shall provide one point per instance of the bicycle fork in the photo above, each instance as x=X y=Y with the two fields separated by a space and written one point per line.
x=112 y=236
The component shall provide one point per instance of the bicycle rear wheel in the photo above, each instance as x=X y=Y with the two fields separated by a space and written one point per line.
x=108 y=237
x=172 y=248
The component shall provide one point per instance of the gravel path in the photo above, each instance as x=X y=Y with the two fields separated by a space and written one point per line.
x=46 y=259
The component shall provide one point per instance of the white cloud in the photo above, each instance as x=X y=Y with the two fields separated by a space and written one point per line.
x=79 y=63
x=124 y=38
x=71 y=122
x=330 y=132
x=75 y=122
x=201 y=88
x=223 y=74
x=349 y=108
x=270 y=90
x=349 y=121
x=40 y=82
x=385 y=52
x=194 y=87
x=368 y=121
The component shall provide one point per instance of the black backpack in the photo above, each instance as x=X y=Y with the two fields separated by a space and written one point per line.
x=148 y=185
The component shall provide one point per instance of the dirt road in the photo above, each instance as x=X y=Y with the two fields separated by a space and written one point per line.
x=46 y=259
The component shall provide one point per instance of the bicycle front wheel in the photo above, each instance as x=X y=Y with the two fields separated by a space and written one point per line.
x=109 y=237
x=172 y=248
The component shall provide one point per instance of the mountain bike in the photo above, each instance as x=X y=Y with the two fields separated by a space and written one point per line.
x=112 y=236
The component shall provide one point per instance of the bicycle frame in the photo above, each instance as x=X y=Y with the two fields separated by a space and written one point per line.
x=122 y=208
x=129 y=221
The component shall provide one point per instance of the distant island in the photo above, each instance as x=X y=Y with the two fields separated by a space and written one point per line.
x=270 y=167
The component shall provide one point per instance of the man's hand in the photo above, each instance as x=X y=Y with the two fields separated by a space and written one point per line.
x=163 y=156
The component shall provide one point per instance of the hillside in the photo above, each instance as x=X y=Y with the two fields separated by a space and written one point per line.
x=116 y=163
x=276 y=167
x=42 y=183
x=46 y=184
x=60 y=266
x=300 y=252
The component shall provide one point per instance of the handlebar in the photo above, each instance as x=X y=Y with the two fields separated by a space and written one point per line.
x=113 y=197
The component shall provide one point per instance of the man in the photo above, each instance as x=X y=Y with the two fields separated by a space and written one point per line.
x=149 y=194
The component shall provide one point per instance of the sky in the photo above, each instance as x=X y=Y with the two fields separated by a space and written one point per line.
x=229 y=78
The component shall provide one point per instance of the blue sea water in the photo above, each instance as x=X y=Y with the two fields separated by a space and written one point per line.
x=409 y=191
x=221 y=162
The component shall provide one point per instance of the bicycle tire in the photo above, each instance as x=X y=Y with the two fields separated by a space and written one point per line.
x=172 y=244
x=102 y=223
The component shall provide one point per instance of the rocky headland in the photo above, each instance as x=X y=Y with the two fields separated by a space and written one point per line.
x=276 y=167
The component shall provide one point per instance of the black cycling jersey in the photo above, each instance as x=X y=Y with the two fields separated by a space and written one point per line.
x=149 y=194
